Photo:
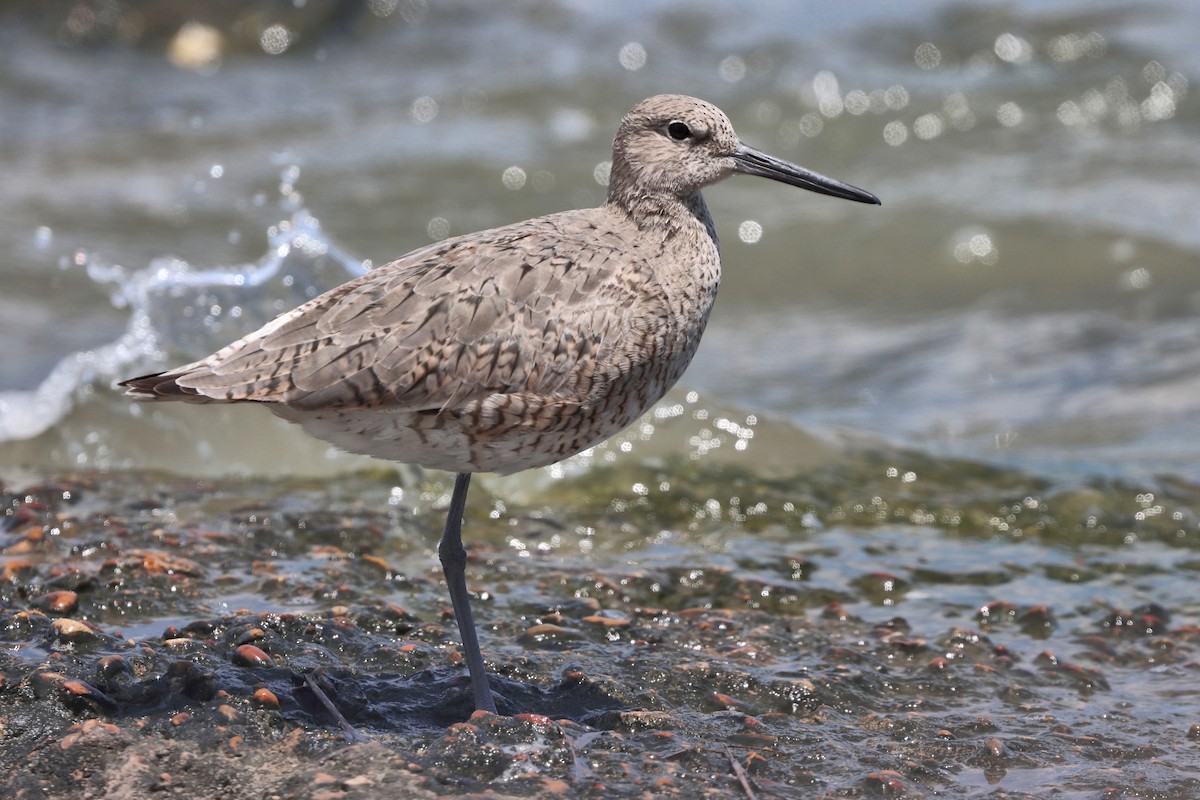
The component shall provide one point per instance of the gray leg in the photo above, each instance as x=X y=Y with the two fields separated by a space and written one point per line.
x=454 y=565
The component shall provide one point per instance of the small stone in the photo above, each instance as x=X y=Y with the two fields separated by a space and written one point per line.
x=536 y=720
x=73 y=629
x=156 y=562
x=69 y=627
x=15 y=569
x=248 y=655
x=886 y=783
x=61 y=602
x=732 y=702
x=556 y=786
x=265 y=697
x=89 y=729
x=179 y=644
x=549 y=635
x=251 y=635
x=112 y=666
x=378 y=563
x=608 y=619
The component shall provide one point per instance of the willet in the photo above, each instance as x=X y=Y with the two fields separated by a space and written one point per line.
x=515 y=347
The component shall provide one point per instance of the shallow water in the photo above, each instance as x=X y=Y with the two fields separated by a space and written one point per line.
x=1027 y=292
x=988 y=388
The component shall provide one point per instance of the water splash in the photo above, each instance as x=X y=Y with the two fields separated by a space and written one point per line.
x=180 y=312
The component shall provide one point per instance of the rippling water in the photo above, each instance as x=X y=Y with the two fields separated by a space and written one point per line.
x=1028 y=292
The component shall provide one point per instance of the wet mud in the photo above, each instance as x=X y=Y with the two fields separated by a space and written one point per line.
x=680 y=630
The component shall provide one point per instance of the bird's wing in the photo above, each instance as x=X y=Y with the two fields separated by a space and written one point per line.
x=499 y=311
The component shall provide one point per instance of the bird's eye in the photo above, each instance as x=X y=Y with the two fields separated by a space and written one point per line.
x=678 y=131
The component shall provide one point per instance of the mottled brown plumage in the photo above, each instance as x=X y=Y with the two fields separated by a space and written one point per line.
x=514 y=347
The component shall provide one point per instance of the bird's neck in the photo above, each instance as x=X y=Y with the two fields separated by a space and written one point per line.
x=666 y=215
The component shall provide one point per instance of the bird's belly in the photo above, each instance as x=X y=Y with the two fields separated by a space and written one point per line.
x=502 y=433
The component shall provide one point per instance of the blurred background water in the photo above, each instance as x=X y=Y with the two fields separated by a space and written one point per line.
x=177 y=173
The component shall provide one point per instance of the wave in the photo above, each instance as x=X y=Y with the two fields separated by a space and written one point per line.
x=180 y=312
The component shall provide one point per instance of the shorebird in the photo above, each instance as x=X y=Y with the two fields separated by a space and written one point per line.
x=515 y=347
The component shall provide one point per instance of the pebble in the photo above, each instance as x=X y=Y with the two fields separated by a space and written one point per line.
x=248 y=655
x=546 y=634
x=60 y=602
x=73 y=630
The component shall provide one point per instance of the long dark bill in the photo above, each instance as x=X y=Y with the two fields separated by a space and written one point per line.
x=753 y=162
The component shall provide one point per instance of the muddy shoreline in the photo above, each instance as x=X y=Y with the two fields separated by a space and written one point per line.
x=160 y=634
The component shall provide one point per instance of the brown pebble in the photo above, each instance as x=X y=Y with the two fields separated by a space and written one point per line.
x=322 y=778
x=1046 y=659
x=182 y=718
x=68 y=628
x=549 y=634
x=251 y=635
x=61 y=602
x=156 y=562
x=248 y=655
x=835 y=611
x=888 y=783
x=996 y=610
x=753 y=740
x=228 y=712
x=265 y=697
x=1036 y=615
x=358 y=780
x=396 y=612
x=536 y=720
x=732 y=702
x=606 y=620
x=179 y=643
x=994 y=748
x=89 y=729
x=556 y=786
x=378 y=563
x=13 y=570
x=114 y=665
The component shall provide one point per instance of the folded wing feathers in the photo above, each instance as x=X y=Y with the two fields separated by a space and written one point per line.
x=440 y=325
